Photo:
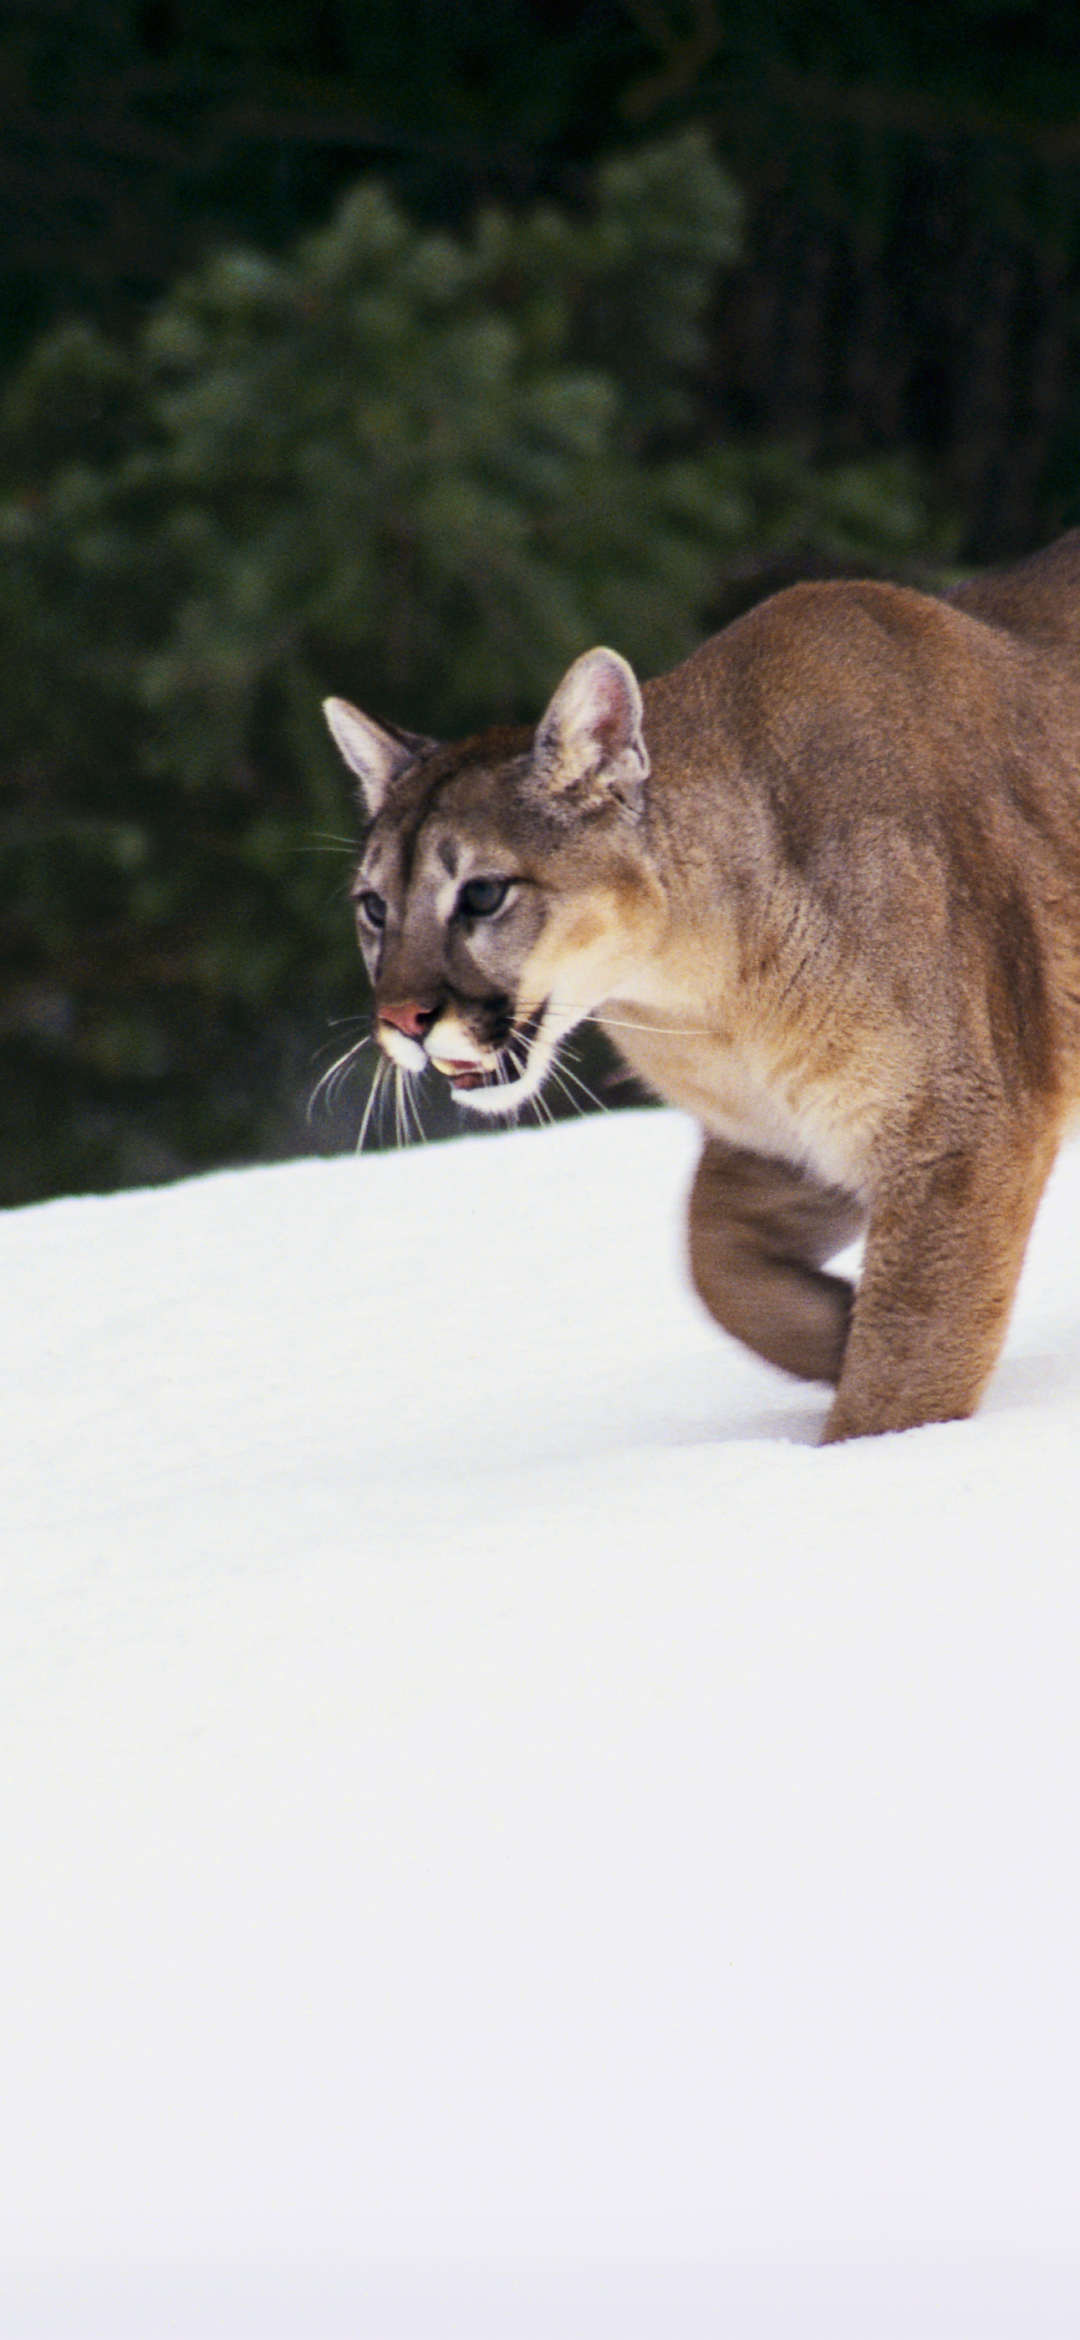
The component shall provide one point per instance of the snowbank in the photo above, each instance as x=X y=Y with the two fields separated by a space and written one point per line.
x=500 y=1835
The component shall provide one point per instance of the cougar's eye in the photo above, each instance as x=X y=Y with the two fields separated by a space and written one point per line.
x=481 y=897
x=372 y=909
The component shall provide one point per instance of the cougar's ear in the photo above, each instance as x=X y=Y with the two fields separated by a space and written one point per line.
x=589 y=749
x=375 y=752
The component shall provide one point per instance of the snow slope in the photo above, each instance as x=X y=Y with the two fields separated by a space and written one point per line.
x=498 y=1834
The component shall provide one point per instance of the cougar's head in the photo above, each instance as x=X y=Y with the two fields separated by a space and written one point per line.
x=501 y=880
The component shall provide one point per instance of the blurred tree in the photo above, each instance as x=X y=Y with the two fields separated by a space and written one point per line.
x=135 y=135
x=911 y=174
x=418 y=468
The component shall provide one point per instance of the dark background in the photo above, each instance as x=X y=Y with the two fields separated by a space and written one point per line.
x=880 y=344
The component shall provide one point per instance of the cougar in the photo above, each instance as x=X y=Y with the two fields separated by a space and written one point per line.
x=821 y=886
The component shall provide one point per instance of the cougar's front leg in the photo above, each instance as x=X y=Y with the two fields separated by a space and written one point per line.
x=944 y=1251
x=759 y=1232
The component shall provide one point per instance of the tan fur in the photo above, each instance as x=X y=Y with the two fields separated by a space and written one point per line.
x=822 y=886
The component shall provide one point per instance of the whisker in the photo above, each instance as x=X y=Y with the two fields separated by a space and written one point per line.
x=663 y=1031
x=335 y=1084
x=384 y=1105
x=517 y=1062
x=629 y=1024
x=376 y=1090
x=406 y=1117
x=335 y=1073
x=412 y=1110
x=564 y=1072
x=554 y=1074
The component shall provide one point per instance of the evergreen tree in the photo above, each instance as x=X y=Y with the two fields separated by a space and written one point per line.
x=419 y=469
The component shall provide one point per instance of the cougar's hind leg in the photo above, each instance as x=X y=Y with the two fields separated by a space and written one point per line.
x=759 y=1232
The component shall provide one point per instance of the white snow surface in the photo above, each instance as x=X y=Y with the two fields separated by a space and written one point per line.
x=499 y=1835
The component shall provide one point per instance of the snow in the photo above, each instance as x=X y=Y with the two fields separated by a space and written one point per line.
x=499 y=1835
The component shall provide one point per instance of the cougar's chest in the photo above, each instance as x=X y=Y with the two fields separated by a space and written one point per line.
x=821 y=1110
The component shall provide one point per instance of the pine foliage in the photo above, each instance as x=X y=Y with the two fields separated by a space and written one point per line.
x=421 y=469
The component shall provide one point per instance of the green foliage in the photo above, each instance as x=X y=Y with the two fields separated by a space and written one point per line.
x=422 y=470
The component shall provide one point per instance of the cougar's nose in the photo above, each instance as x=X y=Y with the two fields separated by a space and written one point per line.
x=409 y=1016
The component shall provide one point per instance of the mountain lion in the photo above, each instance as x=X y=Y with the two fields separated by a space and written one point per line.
x=821 y=885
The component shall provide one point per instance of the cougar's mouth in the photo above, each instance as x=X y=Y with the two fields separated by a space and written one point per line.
x=507 y=1078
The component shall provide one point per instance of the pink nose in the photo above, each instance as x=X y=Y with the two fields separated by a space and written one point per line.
x=408 y=1016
